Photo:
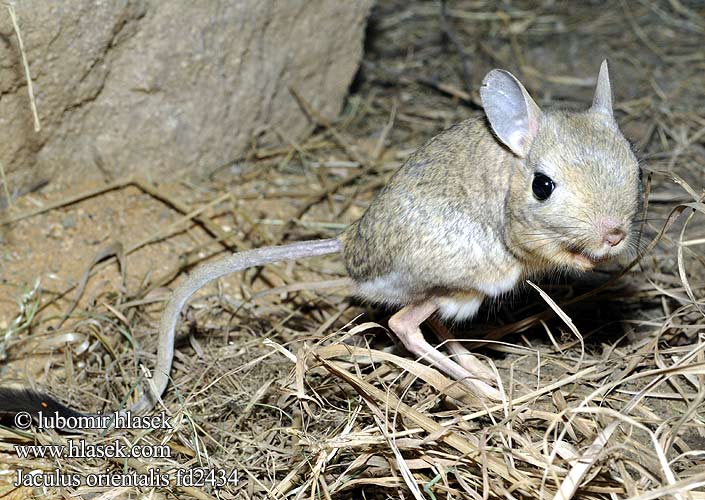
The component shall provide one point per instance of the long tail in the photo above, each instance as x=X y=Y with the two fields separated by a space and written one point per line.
x=202 y=276
x=13 y=401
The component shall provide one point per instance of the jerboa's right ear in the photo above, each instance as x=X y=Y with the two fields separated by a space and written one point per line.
x=512 y=113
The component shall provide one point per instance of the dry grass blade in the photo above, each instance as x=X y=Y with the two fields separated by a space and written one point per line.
x=30 y=90
x=391 y=402
x=566 y=319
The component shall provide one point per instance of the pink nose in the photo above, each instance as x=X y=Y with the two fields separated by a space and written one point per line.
x=614 y=237
x=612 y=232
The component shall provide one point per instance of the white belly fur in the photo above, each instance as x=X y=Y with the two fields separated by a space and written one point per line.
x=500 y=285
x=391 y=290
x=460 y=308
x=465 y=306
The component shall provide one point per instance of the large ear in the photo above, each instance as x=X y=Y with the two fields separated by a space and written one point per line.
x=512 y=113
x=602 y=102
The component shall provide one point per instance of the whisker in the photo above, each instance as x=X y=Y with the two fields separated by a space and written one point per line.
x=571 y=217
x=535 y=240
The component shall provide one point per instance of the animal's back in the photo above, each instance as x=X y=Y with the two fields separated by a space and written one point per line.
x=437 y=227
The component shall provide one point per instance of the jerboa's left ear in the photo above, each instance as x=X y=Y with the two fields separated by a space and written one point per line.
x=512 y=113
x=602 y=101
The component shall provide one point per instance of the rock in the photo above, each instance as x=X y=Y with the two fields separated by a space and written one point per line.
x=68 y=222
x=167 y=88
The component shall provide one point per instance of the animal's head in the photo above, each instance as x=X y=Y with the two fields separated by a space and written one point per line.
x=576 y=191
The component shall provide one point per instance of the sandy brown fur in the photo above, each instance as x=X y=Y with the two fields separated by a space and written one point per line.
x=459 y=217
x=420 y=226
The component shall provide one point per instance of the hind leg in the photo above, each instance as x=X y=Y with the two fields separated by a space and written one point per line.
x=406 y=326
x=461 y=306
x=461 y=354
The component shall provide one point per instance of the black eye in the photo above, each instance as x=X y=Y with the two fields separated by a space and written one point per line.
x=542 y=186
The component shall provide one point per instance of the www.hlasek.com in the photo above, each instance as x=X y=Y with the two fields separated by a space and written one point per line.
x=117 y=449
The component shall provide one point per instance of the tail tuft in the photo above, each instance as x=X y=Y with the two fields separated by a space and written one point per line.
x=13 y=401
